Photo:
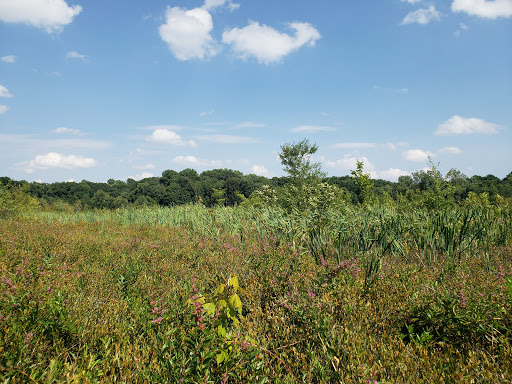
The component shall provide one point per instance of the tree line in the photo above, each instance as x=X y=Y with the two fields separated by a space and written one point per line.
x=230 y=187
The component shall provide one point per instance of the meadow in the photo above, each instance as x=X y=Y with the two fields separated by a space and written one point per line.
x=188 y=294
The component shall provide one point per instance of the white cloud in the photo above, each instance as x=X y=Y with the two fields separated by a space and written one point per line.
x=411 y=1
x=458 y=125
x=249 y=124
x=64 y=130
x=484 y=8
x=3 y=109
x=56 y=160
x=76 y=55
x=166 y=136
x=33 y=142
x=462 y=27
x=51 y=15
x=349 y=162
x=143 y=175
x=163 y=126
x=312 y=129
x=144 y=167
x=207 y=113
x=354 y=145
x=451 y=150
x=416 y=155
x=11 y=59
x=70 y=180
x=259 y=170
x=227 y=139
x=212 y=4
x=392 y=174
x=268 y=45
x=4 y=92
x=422 y=16
x=191 y=161
x=187 y=33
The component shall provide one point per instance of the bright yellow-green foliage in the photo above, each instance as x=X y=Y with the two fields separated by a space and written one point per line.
x=376 y=295
x=15 y=202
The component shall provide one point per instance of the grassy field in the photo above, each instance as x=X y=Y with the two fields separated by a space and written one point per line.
x=243 y=295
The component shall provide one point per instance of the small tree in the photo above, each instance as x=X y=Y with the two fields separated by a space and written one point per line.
x=296 y=160
x=363 y=182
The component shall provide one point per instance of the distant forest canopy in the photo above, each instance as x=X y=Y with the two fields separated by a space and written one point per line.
x=230 y=188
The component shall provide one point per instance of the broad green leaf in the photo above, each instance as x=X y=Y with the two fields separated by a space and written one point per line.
x=235 y=301
x=233 y=281
x=209 y=307
x=220 y=289
x=222 y=304
x=221 y=331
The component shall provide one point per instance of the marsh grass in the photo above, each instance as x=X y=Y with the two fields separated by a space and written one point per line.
x=376 y=294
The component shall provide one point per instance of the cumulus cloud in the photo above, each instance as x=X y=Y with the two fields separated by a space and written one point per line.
x=422 y=16
x=3 y=109
x=166 y=136
x=227 y=139
x=4 y=92
x=266 y=44
x=392 y=174
x=312 y=129
x=259 y=170
x=349 y=162
x=64 y=130
x=458 y=125
x=451 y=150
x=416 y=155
x=191 y=161
x=187 y=33
x=56 y=160
x=354 y=145
x=11 y=59
x=51 y=15
x=484 y=8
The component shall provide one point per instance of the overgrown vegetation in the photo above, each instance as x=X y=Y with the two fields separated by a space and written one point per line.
x=299 y=283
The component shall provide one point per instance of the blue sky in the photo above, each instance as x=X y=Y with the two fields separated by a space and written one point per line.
x=116 y=89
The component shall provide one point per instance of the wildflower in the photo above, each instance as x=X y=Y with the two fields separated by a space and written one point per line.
x=311 y=294
x=28 y=337
x=158 y=320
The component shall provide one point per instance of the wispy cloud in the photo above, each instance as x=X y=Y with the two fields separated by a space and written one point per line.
x=77 y=56
x=10 y=59
x=3 y=109
x=36 y=142
x=354 y=145
x=227 y=139
x=312 y=129
x=422 y=16
x=4 y=92
x=451 y=150
x=458 y=125
x=64 y=130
